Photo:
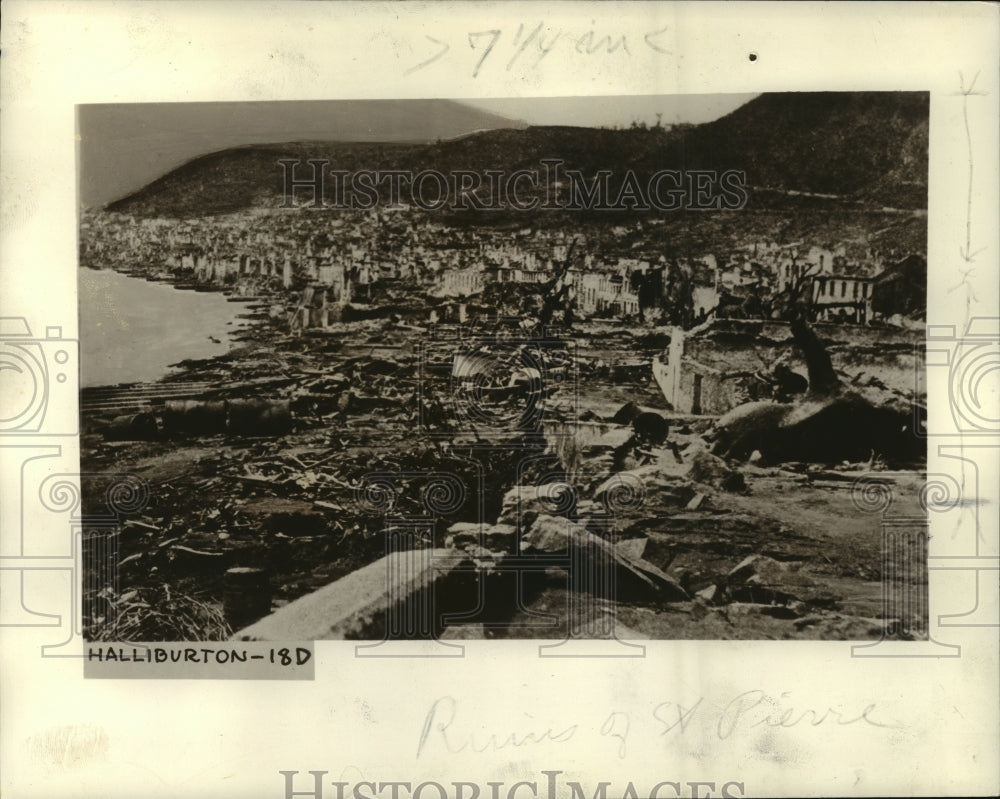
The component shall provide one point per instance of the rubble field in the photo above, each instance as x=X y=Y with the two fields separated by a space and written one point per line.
x=260 y=523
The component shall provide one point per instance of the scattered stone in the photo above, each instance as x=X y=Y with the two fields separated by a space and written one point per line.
x=635 y=578
x=495 y=537
x=626 y=414
x=743 y=570
x=615 y=483
x=465 y=632
x=692 y=580
x=773 y=572
x=418 y=586
x=665 y=482
x=613 y=439
x=708 y=594
x=760 y=570
x=632 y=548
x=695 y=502
x=665 y=586
x=761 y=594
x=624 y=633
x=797 y=606
x=552 y=534
x=745 y=428
x=523 y=504
x=711 y=470
x=761 y=609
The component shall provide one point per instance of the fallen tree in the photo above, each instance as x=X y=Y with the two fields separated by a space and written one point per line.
x=829 y=424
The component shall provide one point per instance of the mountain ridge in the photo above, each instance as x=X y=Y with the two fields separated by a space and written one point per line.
x=125 y=147
x=865 y=148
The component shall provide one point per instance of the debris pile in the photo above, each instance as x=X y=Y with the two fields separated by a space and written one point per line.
x=831 y=422
x=577 y=486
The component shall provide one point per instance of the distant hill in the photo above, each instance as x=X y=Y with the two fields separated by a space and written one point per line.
x=847 y=143
x=867 y=148
x=125 y=146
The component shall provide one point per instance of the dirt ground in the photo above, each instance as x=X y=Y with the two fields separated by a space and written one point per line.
x=730 y=550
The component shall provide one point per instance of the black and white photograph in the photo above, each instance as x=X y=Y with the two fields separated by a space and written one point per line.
x=628 y=367
x=578 y=400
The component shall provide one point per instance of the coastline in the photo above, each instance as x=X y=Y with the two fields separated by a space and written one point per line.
x=134 y=329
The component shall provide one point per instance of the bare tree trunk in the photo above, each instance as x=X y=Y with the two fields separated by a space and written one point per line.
x=822 y=379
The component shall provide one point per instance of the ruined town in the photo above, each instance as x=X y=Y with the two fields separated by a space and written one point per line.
x=546 y=424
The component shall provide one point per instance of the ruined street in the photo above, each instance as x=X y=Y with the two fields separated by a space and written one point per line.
x=260 y=522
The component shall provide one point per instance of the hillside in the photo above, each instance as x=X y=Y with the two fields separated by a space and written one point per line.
x=824 y=142
x=867 y=148
x=125 y=146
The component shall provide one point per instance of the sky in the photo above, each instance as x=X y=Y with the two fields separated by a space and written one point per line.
x=620 y=110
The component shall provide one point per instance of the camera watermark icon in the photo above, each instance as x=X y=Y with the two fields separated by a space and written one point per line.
x=422 y=581
x=959 y=374
x=85 y=570
x=595 y=568
x=969 y=547
x=963 y=373
x=909 y=627
x=969 y=365
x=39 y=380
x=495 y=385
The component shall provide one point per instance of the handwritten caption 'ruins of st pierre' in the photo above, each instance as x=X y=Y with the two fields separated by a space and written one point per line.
x=447 y=731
